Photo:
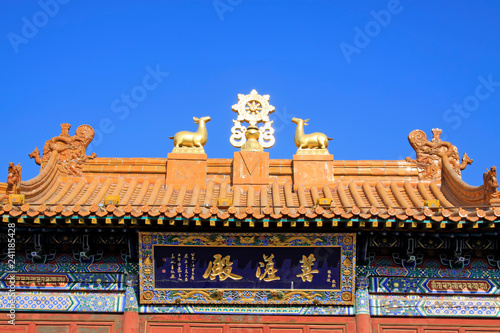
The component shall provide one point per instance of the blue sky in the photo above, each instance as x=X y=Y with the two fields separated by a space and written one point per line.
x=365 y=73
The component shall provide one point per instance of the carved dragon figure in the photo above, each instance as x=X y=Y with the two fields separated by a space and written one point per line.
x=196 y=139
x=431 y=153
x=36 y=155
x=309 y=141
x=466 y=160
x=491 y=195
x=71 y=150
x=14 y=178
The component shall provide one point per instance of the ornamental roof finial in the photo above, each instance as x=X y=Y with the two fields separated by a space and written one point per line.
x=253 y=109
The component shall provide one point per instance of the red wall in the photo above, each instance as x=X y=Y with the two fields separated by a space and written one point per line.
x=165 y=323
x=246 y=324
x=434 y=325
x=63 y=323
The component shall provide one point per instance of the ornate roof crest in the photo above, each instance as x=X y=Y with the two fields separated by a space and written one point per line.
x=253 y=109
x=491 y=195
x=14 y=178
x=431 y=153
x=70 y=150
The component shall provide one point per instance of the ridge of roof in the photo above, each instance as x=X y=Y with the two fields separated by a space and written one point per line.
x=71 y=183
x=78 y=196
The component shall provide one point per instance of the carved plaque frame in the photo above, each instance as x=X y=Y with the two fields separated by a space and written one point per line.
x=171 y=267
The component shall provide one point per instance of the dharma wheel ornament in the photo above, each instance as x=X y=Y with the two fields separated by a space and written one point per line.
x=253 y=109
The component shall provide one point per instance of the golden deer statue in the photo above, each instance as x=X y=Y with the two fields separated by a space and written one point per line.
x=192 y=139
x=314 y=140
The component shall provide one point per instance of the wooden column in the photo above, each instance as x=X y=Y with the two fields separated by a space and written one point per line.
x=362 y=305
x=130 y=322
x=131 y=314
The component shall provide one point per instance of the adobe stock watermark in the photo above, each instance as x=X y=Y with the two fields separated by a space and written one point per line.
x=282 y=119
x=126 y=102
x=31 y=27
x=372 y=29
x=10 y=280
x=222 y=6
x=458 y=112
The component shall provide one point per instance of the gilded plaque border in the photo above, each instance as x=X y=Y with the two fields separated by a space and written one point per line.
x=342 y=296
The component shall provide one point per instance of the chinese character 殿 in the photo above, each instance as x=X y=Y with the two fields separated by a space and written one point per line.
x=221 y=267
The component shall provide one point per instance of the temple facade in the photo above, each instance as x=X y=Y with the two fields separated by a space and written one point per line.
x=188 y=243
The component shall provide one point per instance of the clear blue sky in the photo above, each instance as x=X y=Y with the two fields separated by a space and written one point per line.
x=366 y=73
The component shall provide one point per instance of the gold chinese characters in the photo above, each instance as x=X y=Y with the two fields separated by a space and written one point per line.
x=269 y=273
x=222 y=268
x=307 y=271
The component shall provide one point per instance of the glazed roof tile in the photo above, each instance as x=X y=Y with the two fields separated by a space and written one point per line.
x=365 y=190
x=81 y=196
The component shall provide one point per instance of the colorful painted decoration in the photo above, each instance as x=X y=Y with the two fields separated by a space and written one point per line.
x=247 y=268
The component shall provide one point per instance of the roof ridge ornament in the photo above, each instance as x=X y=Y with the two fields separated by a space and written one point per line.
x=14 y=178
x=491 y=195
x=430 y=155
x=253 y=109
x=71 y=150
x=192 y=142
x=314 y=143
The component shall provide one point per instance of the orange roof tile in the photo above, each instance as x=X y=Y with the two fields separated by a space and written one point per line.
x=178 y=187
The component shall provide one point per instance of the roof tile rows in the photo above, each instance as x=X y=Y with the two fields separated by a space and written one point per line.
x=72 y=184
x=71 y=196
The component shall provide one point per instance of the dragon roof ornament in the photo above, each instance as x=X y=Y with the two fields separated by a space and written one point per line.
x=431 y=153
x=71 y=150
x=253 y=109
x=14 y=178
x=491 y=195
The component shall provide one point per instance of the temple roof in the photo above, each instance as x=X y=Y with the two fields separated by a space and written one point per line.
x=186 y=185
x=250 y=187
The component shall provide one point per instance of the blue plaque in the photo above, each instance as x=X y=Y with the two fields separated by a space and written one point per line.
x=245 y=268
